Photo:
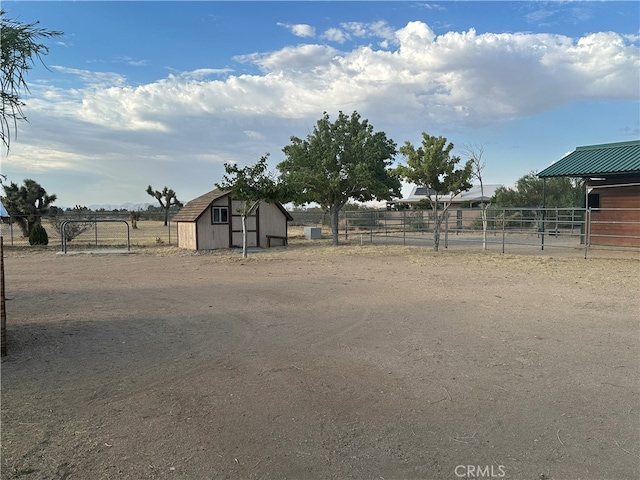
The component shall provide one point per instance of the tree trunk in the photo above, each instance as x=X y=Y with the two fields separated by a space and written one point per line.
x=484 y=226
x=333 y=218
x=244 y=235
x=166 y=216
x=484 y=214
x=436 y=228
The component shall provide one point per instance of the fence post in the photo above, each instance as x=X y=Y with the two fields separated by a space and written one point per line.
x=446 y=229
x=3 y=306
x=504 y=214
x=587 y=225
x=371 y=228
x=404 y=227
x=346 y=225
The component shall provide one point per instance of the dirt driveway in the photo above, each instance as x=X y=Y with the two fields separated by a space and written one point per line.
x=313 y=362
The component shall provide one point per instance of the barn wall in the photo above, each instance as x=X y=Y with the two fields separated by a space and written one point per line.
x=272 y=222
x=603 y=222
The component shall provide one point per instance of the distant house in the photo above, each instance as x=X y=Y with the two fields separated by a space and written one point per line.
x=471 y=198
x=211 y=221
x=611 y=174
x=3 y=212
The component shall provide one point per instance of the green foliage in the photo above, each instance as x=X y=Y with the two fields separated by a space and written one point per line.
x=38 y=235
x=558 y=192
x=434 y=167
x=340 y=161
x=167 y=199
x=251 y=185
x=19 y=44
x=27 y=204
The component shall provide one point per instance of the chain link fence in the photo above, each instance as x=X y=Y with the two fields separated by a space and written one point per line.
x=91 y=230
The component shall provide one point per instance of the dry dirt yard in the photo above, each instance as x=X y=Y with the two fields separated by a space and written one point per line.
x=313 y=362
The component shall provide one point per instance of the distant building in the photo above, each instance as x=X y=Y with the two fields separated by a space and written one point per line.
x=471 y=198
x=611 y=174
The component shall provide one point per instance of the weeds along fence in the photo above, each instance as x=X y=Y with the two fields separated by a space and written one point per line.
x=95 y=230
x=507 y=229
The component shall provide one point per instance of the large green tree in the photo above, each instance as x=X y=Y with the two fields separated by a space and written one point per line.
x=433 y=167
x=340 y=161
x=250 y=186
x=20 y=46
x=534 y=192
x=166 y=198
x=27 y=204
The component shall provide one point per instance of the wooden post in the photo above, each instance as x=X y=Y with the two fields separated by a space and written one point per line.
x=3 y=307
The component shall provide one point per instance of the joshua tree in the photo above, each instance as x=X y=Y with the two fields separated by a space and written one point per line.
x=27 y=203
x=167 y=199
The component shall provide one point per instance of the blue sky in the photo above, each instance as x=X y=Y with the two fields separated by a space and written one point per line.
x=164 y=93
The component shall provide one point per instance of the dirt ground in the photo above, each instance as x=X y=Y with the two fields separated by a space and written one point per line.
x=315 y=362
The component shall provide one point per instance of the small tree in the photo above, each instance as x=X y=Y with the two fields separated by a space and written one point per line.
x=475 y=153
x=250 y=185
x=340 y=161
x=74 y=229
x=19 y=43
x=27 y=204
x=38 y=235
x=167 y=199
x=135 y=217
x=433 y=167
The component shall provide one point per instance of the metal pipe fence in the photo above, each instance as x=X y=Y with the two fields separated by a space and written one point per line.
x=513 y=230
x=507 y=229
x=94 y=229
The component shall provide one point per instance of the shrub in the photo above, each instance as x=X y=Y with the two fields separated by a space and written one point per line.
x=38 y=235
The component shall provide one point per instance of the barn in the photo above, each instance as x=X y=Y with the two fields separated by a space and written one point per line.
x=611 y=175
x=212 y=221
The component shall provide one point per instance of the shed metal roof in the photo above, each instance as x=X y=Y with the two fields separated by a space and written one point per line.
x=598 y=160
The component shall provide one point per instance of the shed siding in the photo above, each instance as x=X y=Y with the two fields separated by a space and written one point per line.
x=187 y=235
x=272 y=222
x=603 y=222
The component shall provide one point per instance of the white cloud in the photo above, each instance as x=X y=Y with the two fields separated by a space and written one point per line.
x=336 y=35
x=379 y=29
x=185 y=126
x=92 y=78
x=300 y=29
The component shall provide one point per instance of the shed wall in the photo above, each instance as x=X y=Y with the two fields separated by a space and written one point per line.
x=187 y=235
x=272 y=222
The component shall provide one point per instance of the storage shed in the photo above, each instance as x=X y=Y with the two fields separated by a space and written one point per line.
x=611 y=174
x=212 y=221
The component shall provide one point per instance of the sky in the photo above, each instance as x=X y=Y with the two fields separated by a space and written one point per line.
x=164 y=93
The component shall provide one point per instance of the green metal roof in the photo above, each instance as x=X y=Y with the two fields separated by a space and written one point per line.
x=598 y=160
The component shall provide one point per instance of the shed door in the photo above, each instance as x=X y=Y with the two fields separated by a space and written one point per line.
x=236 y=231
